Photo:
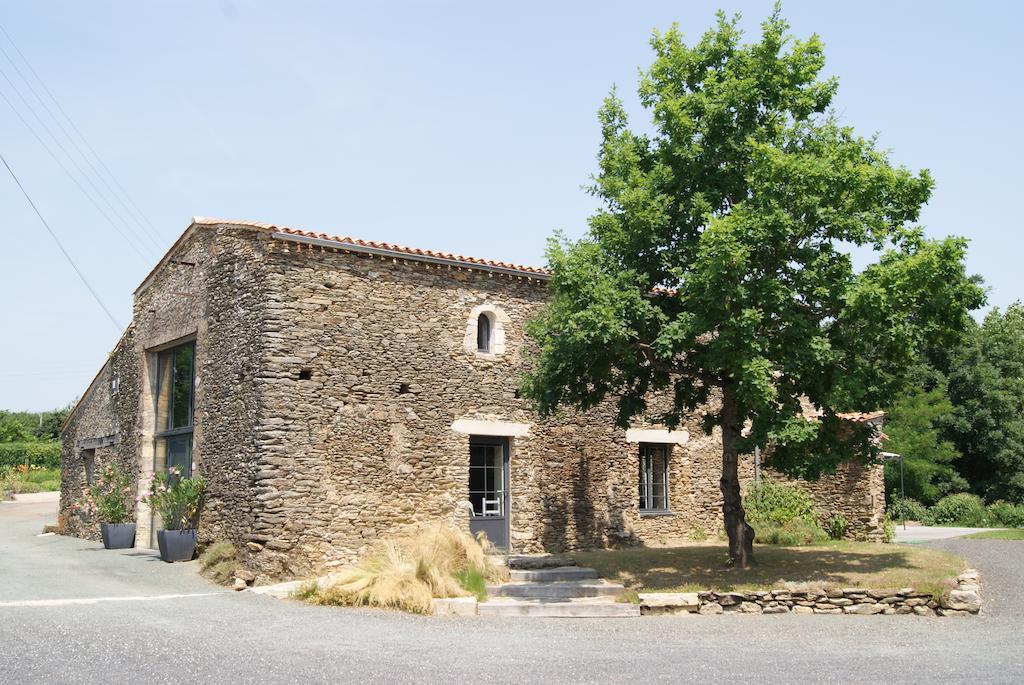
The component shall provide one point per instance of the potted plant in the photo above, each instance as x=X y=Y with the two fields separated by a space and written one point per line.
x=178 y=501
x=109 y=499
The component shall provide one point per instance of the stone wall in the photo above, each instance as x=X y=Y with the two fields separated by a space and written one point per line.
x=960 y=599
x=366 y=369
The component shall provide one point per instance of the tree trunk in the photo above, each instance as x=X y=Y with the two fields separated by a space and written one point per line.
x=741 y=535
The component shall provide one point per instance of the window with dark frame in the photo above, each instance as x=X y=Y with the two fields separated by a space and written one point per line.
x=654 y=477
x=487 y=479
x=89 y=464
x=175 y=408
x=483 y=333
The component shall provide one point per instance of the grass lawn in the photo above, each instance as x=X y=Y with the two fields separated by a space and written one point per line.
x=33 y=479
x=1012 y=534
x=833 y=564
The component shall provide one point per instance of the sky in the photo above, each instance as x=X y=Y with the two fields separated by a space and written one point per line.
x=459 y=126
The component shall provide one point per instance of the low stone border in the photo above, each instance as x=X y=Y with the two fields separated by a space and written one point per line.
x=963 y=600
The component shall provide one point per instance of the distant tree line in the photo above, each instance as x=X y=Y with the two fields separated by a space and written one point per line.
x=959 y=423
x=31 y=438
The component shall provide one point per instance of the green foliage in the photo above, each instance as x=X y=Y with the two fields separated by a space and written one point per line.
x=791 y=534
x=43 y=454
x=719 y=263
x=109 y=497
x=777 y=504
x=961 y=509
x=913 y=424
x=1005 y=514
x=219 y=562
x=782 y=515
x=888 y=529
x=473 y=581
x=986 y=385
x=836 y=526
x=23 y=479
x=23 y=426
x=907 y=509
x=177 y=500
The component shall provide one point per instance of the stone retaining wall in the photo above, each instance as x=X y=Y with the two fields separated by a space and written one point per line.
x=963 y=599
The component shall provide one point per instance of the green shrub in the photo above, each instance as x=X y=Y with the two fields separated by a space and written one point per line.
x=836 y=526
x=907 y=509
x=777 y=504
x=791 y=534
x=1006 y=515
x=961 y=509
x=888 y=529
x=110 y=496
x=43 y=453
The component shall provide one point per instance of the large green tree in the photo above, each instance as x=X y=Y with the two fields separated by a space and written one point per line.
x=986 y=385
x=718 y=271
x=914 y=425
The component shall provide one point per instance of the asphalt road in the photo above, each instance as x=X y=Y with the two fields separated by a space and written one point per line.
x=194 y=632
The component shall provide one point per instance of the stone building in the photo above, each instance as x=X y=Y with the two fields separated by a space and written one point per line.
x=333 y=391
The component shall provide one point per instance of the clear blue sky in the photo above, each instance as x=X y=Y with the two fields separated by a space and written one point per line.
x=460 y=126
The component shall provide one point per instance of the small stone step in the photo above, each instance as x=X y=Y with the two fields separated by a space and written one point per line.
x=527 y=562
x=547 y=575
x=584 y=609
x=563 y=589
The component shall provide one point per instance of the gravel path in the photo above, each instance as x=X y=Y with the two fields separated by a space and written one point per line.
x=242 y=638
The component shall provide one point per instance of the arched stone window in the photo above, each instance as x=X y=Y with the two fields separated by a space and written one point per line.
x=485 y=331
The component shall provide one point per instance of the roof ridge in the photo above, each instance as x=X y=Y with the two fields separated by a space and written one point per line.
x=375 y=244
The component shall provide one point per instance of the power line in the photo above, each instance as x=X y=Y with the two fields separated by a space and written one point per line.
x=152 y=231
x=60 y=245
x=73 y=178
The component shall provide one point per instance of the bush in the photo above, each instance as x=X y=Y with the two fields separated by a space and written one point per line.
x=836 y=526
x=110 y=497
x=177 y=500
x=907 y=509
x=408 y=574
x=961 y=509
x=45 y=454
x=778 y=504
x=1001 y=513
x=793 y=533
x=888 y=530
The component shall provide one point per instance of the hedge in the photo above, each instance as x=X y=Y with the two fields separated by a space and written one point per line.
x=46 y=454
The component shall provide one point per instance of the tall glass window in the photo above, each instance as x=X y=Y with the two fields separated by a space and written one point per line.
x=653 y=477
x=175 y=407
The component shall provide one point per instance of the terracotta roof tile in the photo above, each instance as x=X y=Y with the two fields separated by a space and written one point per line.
x=390 y=247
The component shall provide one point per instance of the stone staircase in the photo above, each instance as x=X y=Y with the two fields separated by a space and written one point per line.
x=554 y=586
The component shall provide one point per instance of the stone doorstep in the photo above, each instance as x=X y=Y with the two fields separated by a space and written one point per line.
x=455 y=606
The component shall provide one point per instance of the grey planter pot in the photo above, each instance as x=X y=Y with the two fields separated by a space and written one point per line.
x=176 y=545
x=118 y=535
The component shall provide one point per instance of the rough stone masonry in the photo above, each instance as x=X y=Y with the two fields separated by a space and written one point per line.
x=337 y=383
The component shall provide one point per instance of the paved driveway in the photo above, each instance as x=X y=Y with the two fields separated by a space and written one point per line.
x=190 y=635
x=929 y=533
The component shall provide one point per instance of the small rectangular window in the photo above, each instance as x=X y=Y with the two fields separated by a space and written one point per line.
x=654 y=477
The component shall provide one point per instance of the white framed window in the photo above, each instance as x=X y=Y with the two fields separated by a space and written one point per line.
x=654 y=484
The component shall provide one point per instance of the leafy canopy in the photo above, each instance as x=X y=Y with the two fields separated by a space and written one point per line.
x=719 y=264
x=986 y=385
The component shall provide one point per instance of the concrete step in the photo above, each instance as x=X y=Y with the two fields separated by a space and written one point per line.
x=547 y=575
x=528 y=562
x=571 y=609
x=562 y=589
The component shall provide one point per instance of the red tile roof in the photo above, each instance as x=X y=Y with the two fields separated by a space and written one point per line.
x=356 y=243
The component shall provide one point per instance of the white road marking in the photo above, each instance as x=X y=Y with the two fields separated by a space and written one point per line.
x=95 y=600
